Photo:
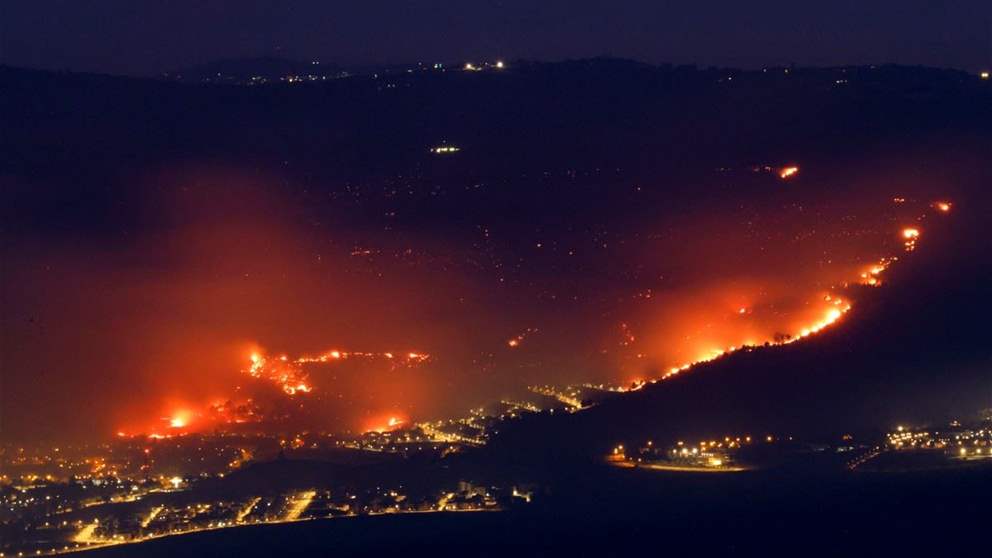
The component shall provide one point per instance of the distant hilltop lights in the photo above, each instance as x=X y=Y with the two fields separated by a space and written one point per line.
x=445 y=149
x=984 y=75
x=471 y=67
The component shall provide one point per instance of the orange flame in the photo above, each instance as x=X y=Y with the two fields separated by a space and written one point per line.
x=788 y=172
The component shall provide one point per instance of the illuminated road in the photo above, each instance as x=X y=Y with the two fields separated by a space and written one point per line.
x=573 y=403
x=678 y=468
x=443 y=502
x=299 y=505
x=437 y=435
x=85 y=535
x=151 y=516
x=247 y=510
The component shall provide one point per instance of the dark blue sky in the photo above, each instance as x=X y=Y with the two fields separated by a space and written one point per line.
x=150 y=36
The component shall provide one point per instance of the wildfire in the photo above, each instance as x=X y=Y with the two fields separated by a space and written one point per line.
x=871 y=275
x=836 y=309
x=234 y=412
x=910 y=235
x=788 y=172
x=516 y=340
x=179 y=419
x=292 y=375
x=289 y=375
x=389 y=424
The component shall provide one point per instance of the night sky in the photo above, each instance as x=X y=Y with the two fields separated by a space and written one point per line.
x=147 y=38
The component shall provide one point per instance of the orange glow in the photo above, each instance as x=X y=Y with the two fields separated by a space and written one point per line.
x=788 y=172
x=386 y=424
x=942 y=206
x=290 y=376
x=871 y=275
x=911 y=235
x=717 y=318
x=834 y=310
x=180 y=418
x=518 y=339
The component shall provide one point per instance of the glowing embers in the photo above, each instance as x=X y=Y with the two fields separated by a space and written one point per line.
x=910 y=235
x=518 y=339
x=289 y=375
x=786 y=173
x=872 y=275
x=942 y=206
x=234 y=412
x=627 y=337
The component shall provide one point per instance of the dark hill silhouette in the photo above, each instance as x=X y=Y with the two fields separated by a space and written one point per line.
x=240 y=70
x=604 y=113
